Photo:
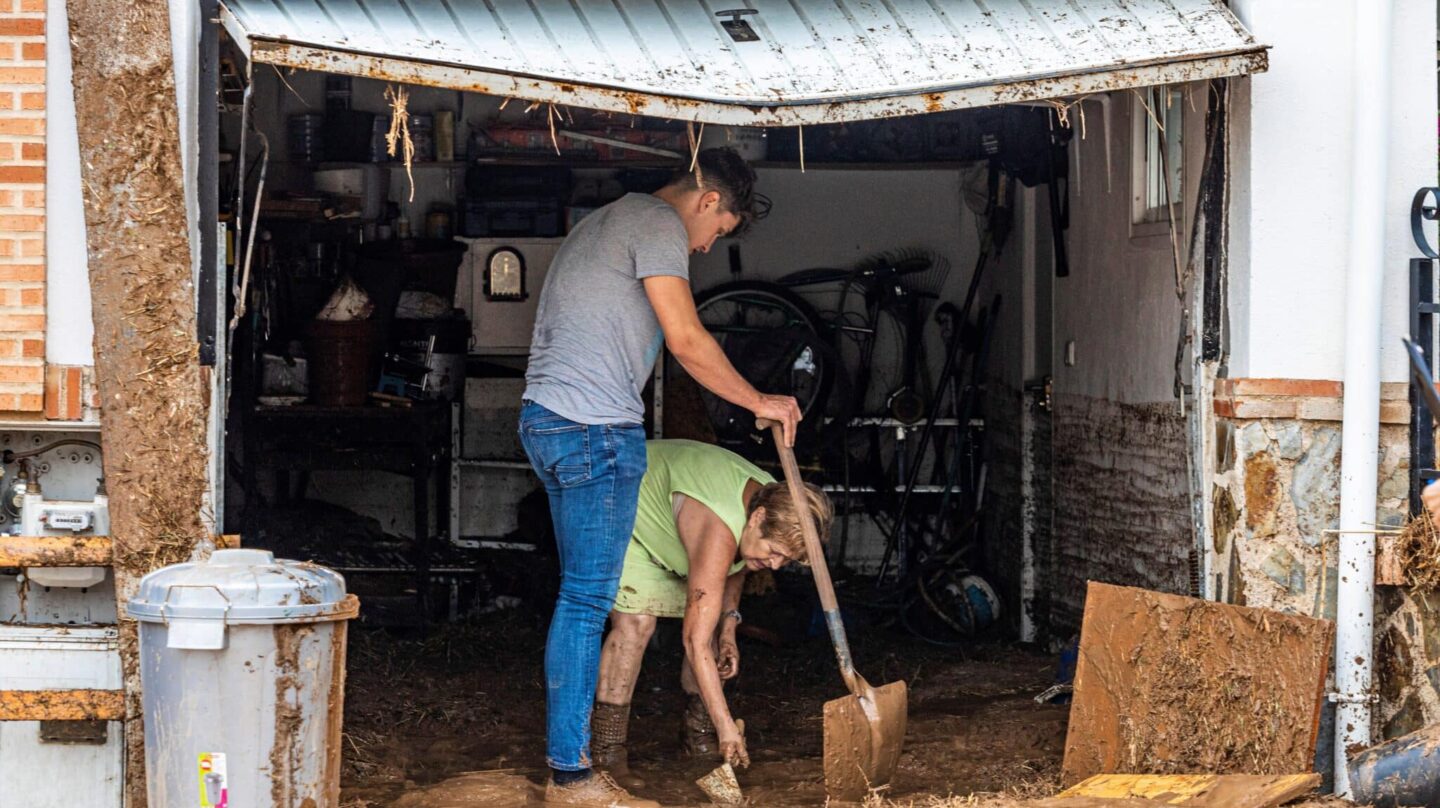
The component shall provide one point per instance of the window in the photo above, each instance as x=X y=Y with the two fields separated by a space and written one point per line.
x=1158 y=154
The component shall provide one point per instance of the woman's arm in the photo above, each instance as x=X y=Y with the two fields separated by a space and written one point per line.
x=726 y=646
x=711 y=549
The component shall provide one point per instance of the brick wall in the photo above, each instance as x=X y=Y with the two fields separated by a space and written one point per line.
x=22 y=206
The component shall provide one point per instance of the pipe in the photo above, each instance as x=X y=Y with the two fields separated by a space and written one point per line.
x=10 y=456
x=1360 y=428
x=1405 y=771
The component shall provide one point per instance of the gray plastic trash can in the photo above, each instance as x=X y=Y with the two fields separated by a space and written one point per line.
x=242 y=663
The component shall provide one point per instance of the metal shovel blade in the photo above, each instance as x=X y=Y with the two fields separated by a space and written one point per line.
x=863 y=741
x=864 y=730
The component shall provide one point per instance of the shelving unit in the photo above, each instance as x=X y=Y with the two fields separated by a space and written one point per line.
x=902 y=431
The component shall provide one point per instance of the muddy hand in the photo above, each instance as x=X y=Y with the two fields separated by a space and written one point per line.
x=732 y=745
x=728 y=660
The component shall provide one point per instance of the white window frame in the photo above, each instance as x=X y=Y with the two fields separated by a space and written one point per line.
x=1149 y=215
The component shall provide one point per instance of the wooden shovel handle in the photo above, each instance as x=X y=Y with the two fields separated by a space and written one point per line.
x=815 y=551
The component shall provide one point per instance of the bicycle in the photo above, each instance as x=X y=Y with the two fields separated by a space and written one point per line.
x=782 y=343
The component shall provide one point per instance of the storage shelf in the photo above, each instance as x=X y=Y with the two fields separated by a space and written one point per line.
x=811 y=165
x=474 y=463
x=418 y=165
x=891 y=422
x=570 y=162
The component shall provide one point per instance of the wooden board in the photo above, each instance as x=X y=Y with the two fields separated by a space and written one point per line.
x=1199 y=790
x=70 y=551
x=62 y=705
x=1389 y=571
x=55 y=551
x=1167 y=684
x=1091 y=802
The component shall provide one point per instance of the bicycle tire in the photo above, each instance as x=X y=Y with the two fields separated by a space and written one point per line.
x=802 y=316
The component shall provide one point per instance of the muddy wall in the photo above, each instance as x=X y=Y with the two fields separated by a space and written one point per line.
x=1122 y=509
x=1121 y=503
x=1098 y=485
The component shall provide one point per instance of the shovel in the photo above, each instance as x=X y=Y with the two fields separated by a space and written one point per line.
x=864 y=730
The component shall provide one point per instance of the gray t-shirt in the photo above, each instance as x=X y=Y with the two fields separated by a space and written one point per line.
x=596 y=336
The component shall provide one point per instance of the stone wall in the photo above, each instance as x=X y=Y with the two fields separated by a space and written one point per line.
x=1276 y=503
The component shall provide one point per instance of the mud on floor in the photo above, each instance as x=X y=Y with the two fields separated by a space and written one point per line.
x=458 y=718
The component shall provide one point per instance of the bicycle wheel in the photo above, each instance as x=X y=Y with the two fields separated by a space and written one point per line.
x=776 y=341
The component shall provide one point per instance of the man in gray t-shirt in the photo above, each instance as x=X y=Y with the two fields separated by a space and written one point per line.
x=617 y=290
x=596 y=336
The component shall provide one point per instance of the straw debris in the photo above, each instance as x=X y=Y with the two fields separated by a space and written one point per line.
x=1418 y=548
x=398 y=138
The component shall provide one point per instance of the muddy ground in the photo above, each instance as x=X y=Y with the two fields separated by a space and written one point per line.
x=457 y=718
x=469 y=698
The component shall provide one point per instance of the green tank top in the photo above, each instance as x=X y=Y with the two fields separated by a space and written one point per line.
x=713 y=476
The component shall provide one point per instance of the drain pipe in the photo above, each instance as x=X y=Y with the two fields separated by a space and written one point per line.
x=1360 y=430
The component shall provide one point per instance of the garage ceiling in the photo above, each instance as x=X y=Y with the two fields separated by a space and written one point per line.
x=756 y=62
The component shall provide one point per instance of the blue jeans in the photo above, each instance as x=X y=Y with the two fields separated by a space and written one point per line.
x=592 y=474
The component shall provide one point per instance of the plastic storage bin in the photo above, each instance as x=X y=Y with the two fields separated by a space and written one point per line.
x=243 y=671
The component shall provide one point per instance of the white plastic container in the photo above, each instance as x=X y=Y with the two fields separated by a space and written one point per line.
x=36 y=771
x=243 y=671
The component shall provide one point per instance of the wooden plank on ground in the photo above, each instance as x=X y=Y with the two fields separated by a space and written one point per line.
x=1199 y=790
x=1092 y=802
x=62 y=705
x=1167 y=684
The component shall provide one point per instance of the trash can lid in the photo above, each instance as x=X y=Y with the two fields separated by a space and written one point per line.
x=242 y=586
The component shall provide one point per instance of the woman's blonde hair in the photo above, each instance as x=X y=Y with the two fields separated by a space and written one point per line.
x=782 y=524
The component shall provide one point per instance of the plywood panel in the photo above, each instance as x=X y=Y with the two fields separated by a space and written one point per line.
x=1167 y=684
x=1197 y=790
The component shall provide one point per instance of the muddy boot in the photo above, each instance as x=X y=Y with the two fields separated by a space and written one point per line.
x=698 y=736
x=609 y=733
x=596 y=791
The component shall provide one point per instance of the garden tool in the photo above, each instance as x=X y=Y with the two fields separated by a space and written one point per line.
x=864 y=730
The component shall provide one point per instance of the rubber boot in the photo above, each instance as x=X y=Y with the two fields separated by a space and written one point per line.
x=698 y=735
x=609 y=734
